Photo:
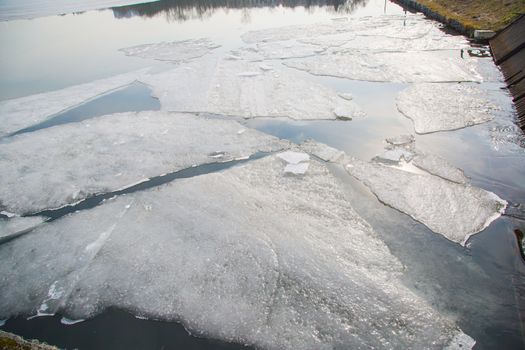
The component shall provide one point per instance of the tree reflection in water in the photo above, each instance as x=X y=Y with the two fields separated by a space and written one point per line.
x=182 y=10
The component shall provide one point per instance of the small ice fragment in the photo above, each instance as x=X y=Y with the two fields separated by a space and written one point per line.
x=460 y=342
x=69 y=322
x=241 y=131
x=177 y=51
x=265 y=67
x=292 y=157
x=322 y=151
x=16 y=226
x=8 y=214
x=343 y=113
x=394 y=156
x=400 y=140
x=217 y=154
x=347 y=96
x=248 y=74
x=296 y=169
x=2 y=322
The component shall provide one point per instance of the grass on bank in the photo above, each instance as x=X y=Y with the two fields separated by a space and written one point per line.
x=478 y=14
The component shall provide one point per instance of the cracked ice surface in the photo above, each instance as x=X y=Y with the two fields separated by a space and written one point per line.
x=454 y=210
x=276 y=50
x=405 y=67
x=329 y=282
x=65 y=164
x=441 y=107
x=20 y=113
x=177 y=51
x=16 y=226
x=245 y=89
x=440 y=167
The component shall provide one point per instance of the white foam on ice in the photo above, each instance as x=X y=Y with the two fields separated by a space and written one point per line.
x=16 y=226
x=453 y=210
x=405 y=67
x=246 y=255
x=442 y=107
x=20 y=113
x=176 y=51
x=26 y=9
x=64 y=164
x=240 y=88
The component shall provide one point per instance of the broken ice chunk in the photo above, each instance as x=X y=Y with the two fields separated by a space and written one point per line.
x=454 y=210
x=445 y=106
x=401 y=140
x=440 y=167
x=177 y=51
x=17 y=226
x=296 y=169
x=292 y=157
x=253 y=256
x=347 y=96
x=394 y=156
x=322 y=151
x=20 y=113
x=38 y=172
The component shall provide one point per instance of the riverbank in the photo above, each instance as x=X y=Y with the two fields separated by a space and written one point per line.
x=469 y=15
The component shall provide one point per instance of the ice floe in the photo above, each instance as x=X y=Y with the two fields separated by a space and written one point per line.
x=442 y=107
x=177 y=51
x=246 y=255
x=61 y=165
x=243 y=89
x=454 y=210
x=16 y=226
x=23 y=112
x=417 y=66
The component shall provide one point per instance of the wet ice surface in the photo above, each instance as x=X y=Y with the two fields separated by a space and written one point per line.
x=440 y=167
x=246 y=89
x=13 y=227
x=454 y=210
x=239 y=278
x=441 y=107
x=65 y=164
x=20 y=113
x=177 y=51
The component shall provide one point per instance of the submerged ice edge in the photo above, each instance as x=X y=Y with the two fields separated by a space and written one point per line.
x=94 y=200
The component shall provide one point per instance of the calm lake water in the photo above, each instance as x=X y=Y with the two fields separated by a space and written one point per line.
x=482 y=285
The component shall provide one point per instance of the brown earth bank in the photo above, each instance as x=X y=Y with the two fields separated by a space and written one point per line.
x=9 y=341
x=474 y=14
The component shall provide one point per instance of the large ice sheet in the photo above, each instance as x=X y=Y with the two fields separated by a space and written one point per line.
x=442 y=107
x=248 y=90
x=67 y=163
x=25 y=9
x=454 y=210
x=16 y=226
x=23 y=112
x=247 y=255
x=405 y=67
x=176 y=51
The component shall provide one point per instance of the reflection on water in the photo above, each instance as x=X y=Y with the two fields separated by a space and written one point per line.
x=182 y=10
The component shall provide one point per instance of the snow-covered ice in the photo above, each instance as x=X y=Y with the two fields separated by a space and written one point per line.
x=176 y=51
x=224 y=87
x=440 y=167
x=296 y=169
x=61 y=165
x=454 y=210
x=20 y=113
x=246 y=255
x=26 y=9
x=293 y=157
x=16 y=226
x=404 y=67
x=446 y=106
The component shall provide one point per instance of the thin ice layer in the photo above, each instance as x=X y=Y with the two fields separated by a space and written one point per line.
x=405 y=67
x=246 y=255
x=20 y=113
x=245 y=89
x=26 y=9
x=440 y=167
x=16 y=226
x=454 y=210
x=176 y=51
x=441 y=107
x=65 y=164
x=322 y=151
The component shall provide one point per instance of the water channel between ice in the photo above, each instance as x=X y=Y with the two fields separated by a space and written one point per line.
x=477 y=288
